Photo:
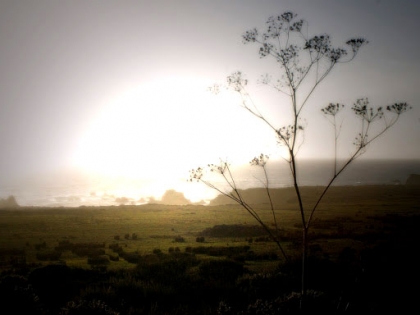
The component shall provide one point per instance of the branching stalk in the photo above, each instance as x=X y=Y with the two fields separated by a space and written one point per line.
x=298 y=57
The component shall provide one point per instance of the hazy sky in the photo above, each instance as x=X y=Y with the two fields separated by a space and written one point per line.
x=119 y=86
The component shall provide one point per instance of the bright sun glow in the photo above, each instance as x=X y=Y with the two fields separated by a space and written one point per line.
x=162 y=129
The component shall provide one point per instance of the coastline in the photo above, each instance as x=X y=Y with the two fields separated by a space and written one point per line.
x=349 y=194
x=282 y=198
x=75 y=189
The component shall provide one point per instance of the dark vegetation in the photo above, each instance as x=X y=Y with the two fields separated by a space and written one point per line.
x=362 y=260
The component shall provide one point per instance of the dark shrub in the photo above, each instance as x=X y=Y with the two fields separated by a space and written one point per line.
x=221 y=270
x=219 y=251
x=88 y=249
x=116 y=248
x=40 y=246
x=166 y=269
x=132 y=257
x=200 y=239
x=82 y=307
x=48 y=255
x=64 y=245
x=179 y=239
x=13 y=257
x=174 y=250
x=234 y=230
x=316 y=302
x=54 y=284
x=114 y=257
x=99 y=263
x=18 y=295
x=84 y=252
x=263 y=239
x=98 y=260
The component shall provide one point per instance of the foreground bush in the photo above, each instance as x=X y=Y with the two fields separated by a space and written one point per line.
x=83 y=307
x=373 y=281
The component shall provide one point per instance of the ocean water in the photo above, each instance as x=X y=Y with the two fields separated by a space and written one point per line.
x=319 y=173
x=74 y=189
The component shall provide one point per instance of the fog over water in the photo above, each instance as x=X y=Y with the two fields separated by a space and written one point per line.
x=107 y=102
x=74 y=190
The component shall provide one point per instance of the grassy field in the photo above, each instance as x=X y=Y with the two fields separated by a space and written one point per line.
x=347 y=214
x=161 y=259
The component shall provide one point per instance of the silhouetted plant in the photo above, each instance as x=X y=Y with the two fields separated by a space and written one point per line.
x=304 y=62
x=200 y=239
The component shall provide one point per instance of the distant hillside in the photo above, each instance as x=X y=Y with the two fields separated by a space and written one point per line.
x=285 y=198
x=259 y=196
x=413 y=179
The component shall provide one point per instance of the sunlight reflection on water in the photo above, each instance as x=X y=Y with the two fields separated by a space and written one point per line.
x=73 y=191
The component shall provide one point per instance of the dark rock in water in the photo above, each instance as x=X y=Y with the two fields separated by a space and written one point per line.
x=172 y=197
x=9 y=202
x=413 y=179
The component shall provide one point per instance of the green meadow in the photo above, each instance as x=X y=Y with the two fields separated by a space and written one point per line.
x=106 y=241
x=140 y=229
